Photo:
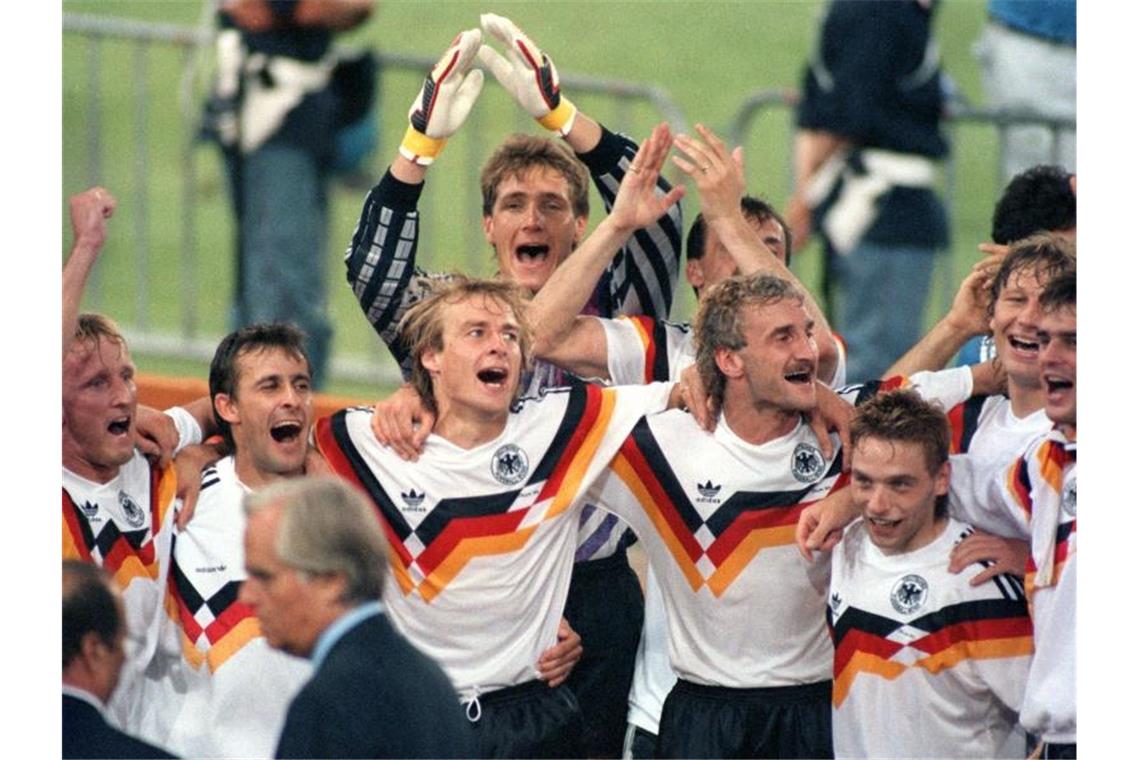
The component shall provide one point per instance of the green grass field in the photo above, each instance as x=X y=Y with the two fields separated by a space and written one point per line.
x=708 y=56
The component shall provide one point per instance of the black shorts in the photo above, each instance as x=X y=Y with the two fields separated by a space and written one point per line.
x=528 y=720
x=714 y=721
x=605 y=606
x=639 y=743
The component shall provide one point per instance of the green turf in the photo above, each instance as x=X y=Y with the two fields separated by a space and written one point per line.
x=708 y=56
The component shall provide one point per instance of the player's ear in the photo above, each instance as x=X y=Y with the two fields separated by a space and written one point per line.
x=942 y=480
x=226 y=408
x=488 y=228
x=695 y=273
x=728 y=362
x=579 y=229
x=430 y=360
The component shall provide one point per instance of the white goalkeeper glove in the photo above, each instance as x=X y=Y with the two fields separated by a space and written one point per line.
x=445 y=99
x=528 y=75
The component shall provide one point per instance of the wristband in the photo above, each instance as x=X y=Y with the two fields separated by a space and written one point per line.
x=561 y=119
x=419 y=148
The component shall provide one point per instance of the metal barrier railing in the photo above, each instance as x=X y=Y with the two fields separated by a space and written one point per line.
x=958 y=113
x=183 y=335
x=186 y=338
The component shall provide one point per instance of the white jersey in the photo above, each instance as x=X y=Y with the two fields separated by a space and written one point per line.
x=925 y=664
x=234 y=704
x=483 y=539
x=1041 y=487
x=985 y=438
x=717 y=518
x=125 y=526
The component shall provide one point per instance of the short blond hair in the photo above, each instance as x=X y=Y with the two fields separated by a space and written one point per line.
x=90 y=327
x=422 y=327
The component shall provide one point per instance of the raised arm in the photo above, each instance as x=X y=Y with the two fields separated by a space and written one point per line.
x=562 y=336
x=89 y=211
x=380 y=259
x=968 y=316
x=641 y=278
x=719 y=176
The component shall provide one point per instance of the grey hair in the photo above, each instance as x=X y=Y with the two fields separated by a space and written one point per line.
x=327 y=528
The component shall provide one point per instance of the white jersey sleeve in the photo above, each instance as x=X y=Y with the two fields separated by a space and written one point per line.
x=1042 y=485
x=643 y=350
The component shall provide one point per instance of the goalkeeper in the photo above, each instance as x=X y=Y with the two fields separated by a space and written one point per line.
x=535 y=194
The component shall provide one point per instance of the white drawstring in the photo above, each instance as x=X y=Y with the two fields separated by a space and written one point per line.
x=474 y=702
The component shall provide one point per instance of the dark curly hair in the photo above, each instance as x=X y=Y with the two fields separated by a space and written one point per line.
x=1040 y=199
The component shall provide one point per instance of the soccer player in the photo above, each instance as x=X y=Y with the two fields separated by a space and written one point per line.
x=1040 y=488
x=260 y=387
x=733 y=233
x=535 y=193
x=926 y=664
x=716 y=514
x=117 y=507
x=482 y=528
x=989 y=428
x=235 y=703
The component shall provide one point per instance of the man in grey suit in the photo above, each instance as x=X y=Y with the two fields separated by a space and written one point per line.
x=315 y=558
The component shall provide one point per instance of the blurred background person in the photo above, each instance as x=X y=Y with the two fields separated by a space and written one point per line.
x=865 y=151
x=1028 y=56
x=274 y=69
x=94 y=633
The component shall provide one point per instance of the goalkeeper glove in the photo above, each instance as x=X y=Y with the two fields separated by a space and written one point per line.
x=445 y=99
x=528 y=74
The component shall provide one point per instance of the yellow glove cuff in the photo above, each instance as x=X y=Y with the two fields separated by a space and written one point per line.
x=561 y=119
x=419 y=148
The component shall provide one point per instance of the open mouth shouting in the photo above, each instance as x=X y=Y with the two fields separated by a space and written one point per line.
x=535 y=253
x=802 y=374
x=120 y=426
x=1059 y=390
x=880 y=528
x=287 y=432
x=1057 y=384
x=494 y=377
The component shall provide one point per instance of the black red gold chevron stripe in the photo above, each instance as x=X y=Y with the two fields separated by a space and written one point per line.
x=458 y=530
x=971 y=630
x=746 y=523
x=126 y=555
x=964 y=423
x=655 y=344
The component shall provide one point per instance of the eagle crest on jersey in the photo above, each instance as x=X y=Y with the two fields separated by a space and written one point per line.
x=1069 y=498
x=909 y=594
x=510 y=465
x=807 y=463
x=132 y=511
